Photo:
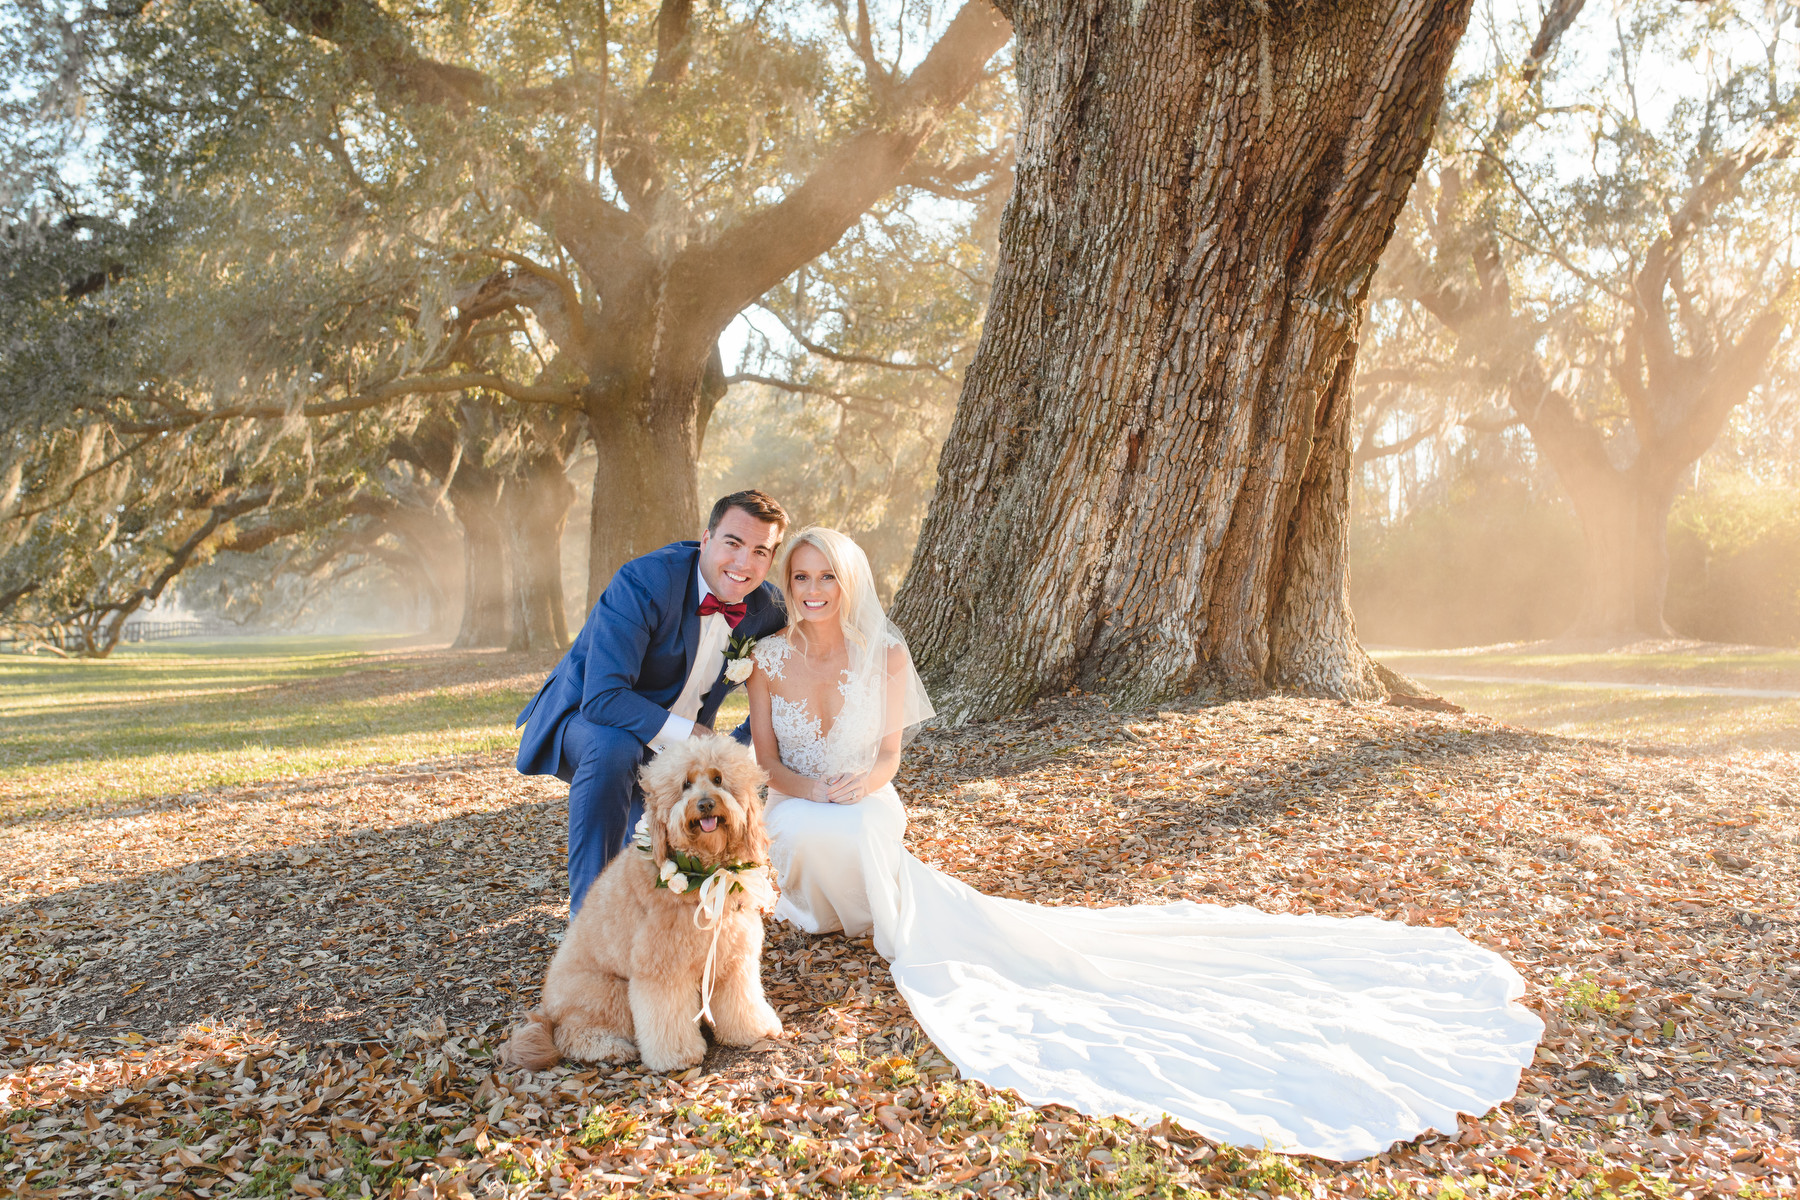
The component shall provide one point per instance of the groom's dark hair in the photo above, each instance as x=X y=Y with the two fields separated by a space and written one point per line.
x=760 y=505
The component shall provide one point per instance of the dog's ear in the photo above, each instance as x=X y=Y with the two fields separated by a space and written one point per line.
x=743 y=776
x=661 y=780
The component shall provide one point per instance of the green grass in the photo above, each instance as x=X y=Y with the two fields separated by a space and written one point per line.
x=1541 y=699
x=1699 y=724
x=187 y=715
x=1680 y=663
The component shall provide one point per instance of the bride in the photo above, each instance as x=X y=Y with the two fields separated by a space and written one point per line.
x=1309 y=1034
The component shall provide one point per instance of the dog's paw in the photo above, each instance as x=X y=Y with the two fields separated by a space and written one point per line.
x=677 y=1057
x=758 y=1022
x=593 y=1045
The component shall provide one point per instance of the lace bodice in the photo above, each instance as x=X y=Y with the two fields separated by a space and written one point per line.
x=806 y=746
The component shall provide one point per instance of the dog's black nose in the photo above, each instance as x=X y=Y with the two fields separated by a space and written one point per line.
x=706 y=806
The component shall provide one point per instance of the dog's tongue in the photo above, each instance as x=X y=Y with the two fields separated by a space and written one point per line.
x=709 y=824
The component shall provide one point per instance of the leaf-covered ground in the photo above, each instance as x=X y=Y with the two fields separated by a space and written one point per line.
x=297 y=986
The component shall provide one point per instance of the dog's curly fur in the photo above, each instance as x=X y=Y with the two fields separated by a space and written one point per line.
x=625 y=983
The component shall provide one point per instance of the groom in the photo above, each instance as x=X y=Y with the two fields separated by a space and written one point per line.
x=647 y=670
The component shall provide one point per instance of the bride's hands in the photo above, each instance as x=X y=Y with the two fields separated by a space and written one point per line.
x=846 y=789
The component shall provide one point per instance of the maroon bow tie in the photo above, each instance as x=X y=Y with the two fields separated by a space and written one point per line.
x=733 y=612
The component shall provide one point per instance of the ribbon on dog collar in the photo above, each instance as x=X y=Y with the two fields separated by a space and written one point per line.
x=709 y=913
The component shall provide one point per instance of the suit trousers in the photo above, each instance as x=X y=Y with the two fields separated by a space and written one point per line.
x=600 y=764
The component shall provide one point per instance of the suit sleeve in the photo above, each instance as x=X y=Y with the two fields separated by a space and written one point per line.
x=623 y=623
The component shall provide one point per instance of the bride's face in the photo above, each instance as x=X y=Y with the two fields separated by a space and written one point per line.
x=814 y=585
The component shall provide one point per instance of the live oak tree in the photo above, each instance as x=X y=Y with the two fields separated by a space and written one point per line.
x=680 y=183
x=1145 y=485
x=849 y=377
x=1621 y=303
x=552 y=212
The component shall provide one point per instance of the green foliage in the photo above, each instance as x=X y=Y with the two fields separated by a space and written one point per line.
x=1734 y=563
x=605 y=1127
x=1489 y=562
x=1586 y=995
x=272 y=243
x=271 y=1176
x=1522 y=292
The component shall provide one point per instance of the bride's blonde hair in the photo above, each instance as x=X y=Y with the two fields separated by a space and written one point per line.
x=851 y=566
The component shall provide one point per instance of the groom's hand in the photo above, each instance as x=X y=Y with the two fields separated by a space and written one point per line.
x=700 y=728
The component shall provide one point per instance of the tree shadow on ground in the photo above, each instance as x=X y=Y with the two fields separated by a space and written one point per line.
x=358 y=935
x=338 y=938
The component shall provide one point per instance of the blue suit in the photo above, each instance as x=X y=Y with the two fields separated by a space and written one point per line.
x=591 y=722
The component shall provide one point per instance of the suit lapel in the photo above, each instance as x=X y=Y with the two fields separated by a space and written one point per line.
x=759 y=610
x=690 y=619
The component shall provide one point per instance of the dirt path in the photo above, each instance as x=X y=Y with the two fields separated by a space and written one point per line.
x=1665 y=689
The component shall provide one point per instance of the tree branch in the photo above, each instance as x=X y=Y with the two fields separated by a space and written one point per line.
x=380 y=51
x=410 y=386
x=559 y=311
x=68 y=492
x=178 y=562
x=865 y=360
x=10 y=596
x=1483 y=423
x=1716 y=188
x=880 y=405
x=1365 y=453
x=673 y=50
x=730 y=271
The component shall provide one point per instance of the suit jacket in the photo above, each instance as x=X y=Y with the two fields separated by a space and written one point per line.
x=633 y=655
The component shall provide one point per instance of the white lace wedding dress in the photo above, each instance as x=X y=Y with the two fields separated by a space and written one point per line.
x=1310 y=1034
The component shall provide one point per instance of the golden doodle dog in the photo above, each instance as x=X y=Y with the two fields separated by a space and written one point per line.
x=631 y=977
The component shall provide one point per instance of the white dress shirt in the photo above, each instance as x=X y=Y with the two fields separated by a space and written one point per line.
x=709 y=660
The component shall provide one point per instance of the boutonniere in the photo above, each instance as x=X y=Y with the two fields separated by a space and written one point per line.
x=738 y=663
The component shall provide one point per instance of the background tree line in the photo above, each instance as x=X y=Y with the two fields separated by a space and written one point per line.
x=286 y=281
x=1579 y=407
x=303 y=314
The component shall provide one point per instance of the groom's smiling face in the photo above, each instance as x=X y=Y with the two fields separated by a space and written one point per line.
x=735 y=557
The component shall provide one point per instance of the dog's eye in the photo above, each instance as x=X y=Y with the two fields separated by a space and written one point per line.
x=717 y=778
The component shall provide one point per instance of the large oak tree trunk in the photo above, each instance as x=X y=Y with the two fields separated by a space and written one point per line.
x=536 y=507
x=1147 y=480
x=647 y=443
x=475 y=496
x=1624 y=518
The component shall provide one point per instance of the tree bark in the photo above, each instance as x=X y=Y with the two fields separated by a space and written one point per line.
x=536 y=508
x=1624 y=522
x=654 y=305
x=475 y=497
x=646 y=435
x=484 y=581
x=1146 y=484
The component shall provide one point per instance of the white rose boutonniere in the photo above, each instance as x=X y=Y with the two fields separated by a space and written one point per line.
x=738 y=663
